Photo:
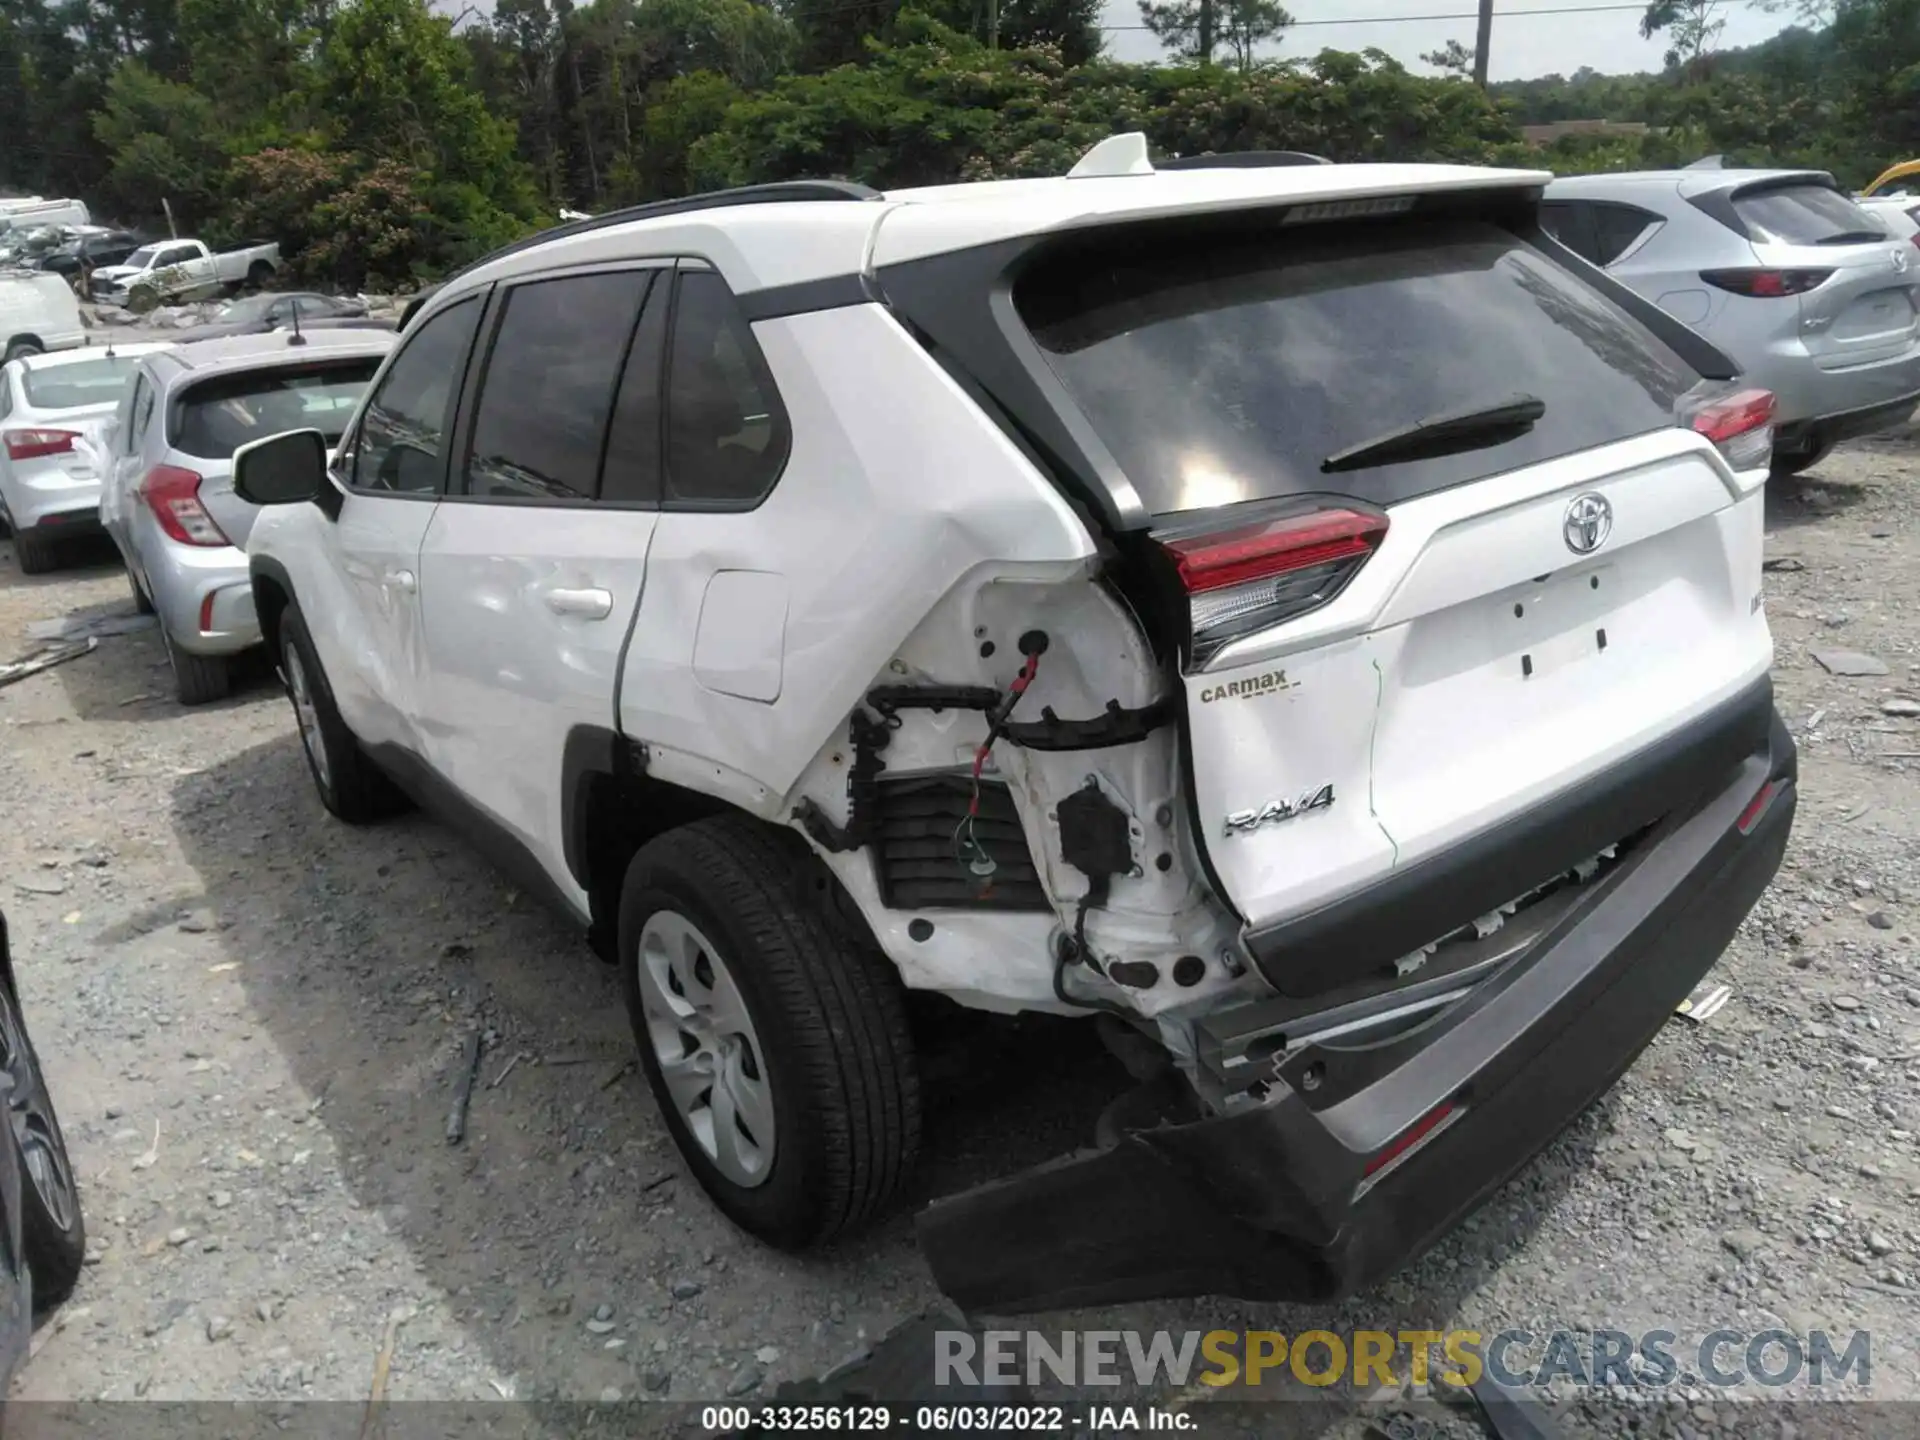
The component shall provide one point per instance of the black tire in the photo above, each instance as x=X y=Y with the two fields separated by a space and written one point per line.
x=350 y=785
x=20 y=349
x=36 y=553
x=53 y=1232
x=1798 y=462
x=258 y=275
x=827 y=1006
x=197 y=679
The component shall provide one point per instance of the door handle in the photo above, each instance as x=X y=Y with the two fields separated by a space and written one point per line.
x=590 y=604
x=401 y=580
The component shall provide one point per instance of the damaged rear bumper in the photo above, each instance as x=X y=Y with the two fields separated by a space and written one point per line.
x=1275 y=1201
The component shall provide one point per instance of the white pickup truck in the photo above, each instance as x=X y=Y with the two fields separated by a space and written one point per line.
x=173 y=270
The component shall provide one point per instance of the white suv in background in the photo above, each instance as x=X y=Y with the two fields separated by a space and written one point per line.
x=1298 y=615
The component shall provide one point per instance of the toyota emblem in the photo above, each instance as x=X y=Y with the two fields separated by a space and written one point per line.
x=1589 y=521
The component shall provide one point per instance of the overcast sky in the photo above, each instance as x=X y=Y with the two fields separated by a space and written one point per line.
x=1523 y=45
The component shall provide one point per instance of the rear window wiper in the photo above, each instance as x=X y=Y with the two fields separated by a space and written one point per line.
x=1448 y=433
x=1856 y=237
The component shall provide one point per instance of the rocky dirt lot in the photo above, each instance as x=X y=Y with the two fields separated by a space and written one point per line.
x=253 y=1018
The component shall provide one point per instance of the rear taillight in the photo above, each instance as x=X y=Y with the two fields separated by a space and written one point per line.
x=173 y=494
x=1250 y=577
x=37 y=444
x=1738 y=422
x=1762 y=284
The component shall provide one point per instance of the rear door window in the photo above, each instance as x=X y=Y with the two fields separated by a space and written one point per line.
x=1229 y=369
x=541 y=420
x=1804 y=215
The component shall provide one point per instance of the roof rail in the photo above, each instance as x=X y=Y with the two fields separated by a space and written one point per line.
x=777 y=193
x=1244 y=160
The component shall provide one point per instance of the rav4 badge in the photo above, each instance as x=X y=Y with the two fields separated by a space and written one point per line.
x=1242 y=822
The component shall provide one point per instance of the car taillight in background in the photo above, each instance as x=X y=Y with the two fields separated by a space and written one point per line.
x=1738 y=422
x=173 y=494
x=1764 y=284
x=37 y=444
x=1252 y=576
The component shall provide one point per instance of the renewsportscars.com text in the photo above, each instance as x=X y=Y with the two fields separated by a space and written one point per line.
x=1771 y=1359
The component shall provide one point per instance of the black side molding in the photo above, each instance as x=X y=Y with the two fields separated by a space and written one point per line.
x=506 y=851
x=1345 y=940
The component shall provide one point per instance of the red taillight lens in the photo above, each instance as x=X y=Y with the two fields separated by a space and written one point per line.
x=1738 y=422
x=36 y=444
x=1411 y=1138
x=1254 y=576
x=1764 y=284
x=173 y=494
x=1757 y=807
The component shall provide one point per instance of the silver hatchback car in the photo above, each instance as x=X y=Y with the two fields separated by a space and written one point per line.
x=168 y=498
x=1810 y=295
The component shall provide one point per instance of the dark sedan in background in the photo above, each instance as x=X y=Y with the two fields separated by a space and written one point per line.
x=261 y=314
x=42 y=1237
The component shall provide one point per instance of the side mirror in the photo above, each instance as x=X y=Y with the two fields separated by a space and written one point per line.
x=282 y=469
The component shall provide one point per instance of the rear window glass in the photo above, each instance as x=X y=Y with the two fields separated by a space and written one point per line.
x=1805 y=215
x=218 y=416
x=1228 y=370
x=86 y=382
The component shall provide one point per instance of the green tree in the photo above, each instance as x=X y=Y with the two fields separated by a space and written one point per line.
x=1692 y=28
x=164 y=143
x=1193 y=28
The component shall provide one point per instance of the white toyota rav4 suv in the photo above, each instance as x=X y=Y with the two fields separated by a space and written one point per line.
x=1299 y=614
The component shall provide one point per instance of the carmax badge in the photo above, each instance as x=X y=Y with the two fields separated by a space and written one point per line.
x=1242 y=822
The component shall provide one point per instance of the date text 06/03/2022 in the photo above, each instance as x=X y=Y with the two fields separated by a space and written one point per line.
x=941 y=1419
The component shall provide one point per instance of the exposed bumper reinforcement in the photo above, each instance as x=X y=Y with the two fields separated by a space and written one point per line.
x=1274 y=1202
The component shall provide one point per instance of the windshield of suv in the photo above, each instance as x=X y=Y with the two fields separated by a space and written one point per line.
x=85 y=382
x=218 y=416
x=1228 y=368
x=1805 y=215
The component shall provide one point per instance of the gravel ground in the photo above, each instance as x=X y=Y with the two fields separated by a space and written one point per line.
x=252 y=1018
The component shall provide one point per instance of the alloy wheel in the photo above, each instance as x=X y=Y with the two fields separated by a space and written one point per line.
x=300 y=690
x=707 y=1048
x=30 y=1109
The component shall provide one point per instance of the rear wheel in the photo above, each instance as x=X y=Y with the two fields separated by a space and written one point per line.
x=351 y=786
x=141 y=604
x=197 y=679
x=20 y=349
x=36 y=553
x=258 y=274
x=775 y=1040
x=53 y=1236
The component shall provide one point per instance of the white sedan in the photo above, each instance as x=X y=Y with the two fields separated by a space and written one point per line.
x=54 y=411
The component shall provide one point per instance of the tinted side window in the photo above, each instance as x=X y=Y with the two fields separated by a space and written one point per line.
x=1571 y=223
x=727 y=434
x=549 y=386
x=142 y=412
x=631 y=471
x=403 y=439
x=1616 y=228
